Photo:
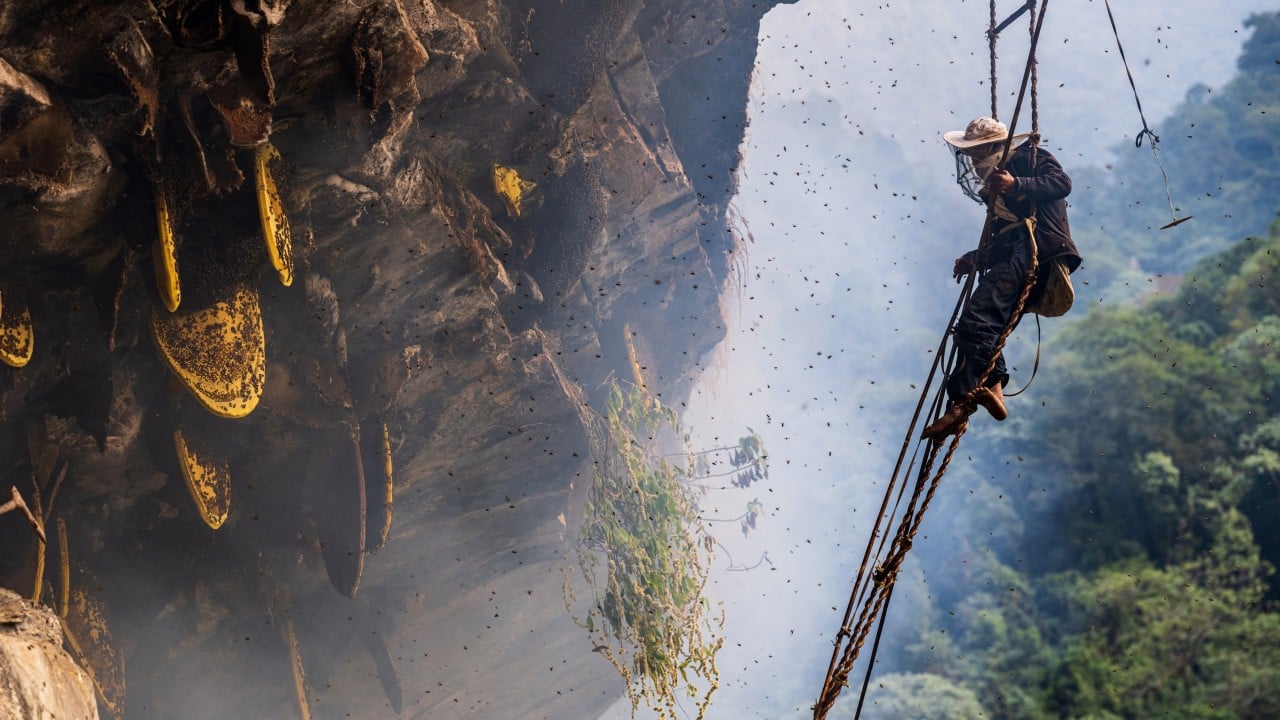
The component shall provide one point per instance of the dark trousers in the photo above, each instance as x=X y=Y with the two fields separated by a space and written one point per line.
x=989 y=309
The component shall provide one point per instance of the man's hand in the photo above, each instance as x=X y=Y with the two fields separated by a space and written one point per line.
x=999 y=182
x=965 y=264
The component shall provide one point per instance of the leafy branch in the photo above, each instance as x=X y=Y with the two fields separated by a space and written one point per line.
x=645 y=555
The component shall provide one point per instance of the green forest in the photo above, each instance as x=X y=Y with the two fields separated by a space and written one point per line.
x=1111 y=550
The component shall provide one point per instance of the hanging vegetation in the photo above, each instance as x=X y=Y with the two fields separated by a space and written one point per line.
x=646 y=555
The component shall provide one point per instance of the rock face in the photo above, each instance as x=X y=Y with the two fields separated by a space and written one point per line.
x=480 y=195
x=38 y=679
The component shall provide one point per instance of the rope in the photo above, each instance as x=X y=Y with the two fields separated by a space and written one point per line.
x=872 y=590
x=1027 y=284
x=1146 y=131
x=875 y=650
x=861 y=585
x=874 y=598
x=886 y=574
x=862 y=576
x=1034 y=368
x=1032 y=27
x=992 y=35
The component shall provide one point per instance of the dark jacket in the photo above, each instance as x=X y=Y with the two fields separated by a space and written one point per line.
x=1044 y=187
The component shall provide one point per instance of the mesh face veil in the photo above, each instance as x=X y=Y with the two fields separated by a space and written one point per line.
x=967 y=175
x=971 y=172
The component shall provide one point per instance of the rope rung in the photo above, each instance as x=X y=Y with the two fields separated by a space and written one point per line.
x=1012 y=18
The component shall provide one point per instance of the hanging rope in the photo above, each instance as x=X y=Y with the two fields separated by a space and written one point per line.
x=834 y=680
x=1146 y=131
x=873 y=588
x=992 y=35
x=1032 y=27
x=1035 y=367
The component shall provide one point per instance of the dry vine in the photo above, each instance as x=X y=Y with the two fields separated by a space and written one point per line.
x=645 y=555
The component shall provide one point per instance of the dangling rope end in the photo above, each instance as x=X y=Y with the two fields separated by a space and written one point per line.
x=1146 y=129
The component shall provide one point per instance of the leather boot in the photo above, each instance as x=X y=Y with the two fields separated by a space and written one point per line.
x=949 y=423
x=992 y=400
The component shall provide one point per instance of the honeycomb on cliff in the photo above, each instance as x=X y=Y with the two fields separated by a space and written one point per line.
x=275 y=224
x=218 y=352
x=208 y=478
x=510 y=187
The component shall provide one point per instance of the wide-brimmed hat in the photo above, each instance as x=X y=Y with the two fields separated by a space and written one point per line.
x=981 y=131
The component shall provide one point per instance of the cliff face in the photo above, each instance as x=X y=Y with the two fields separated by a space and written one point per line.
x=38 y=679
x=480 y=197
